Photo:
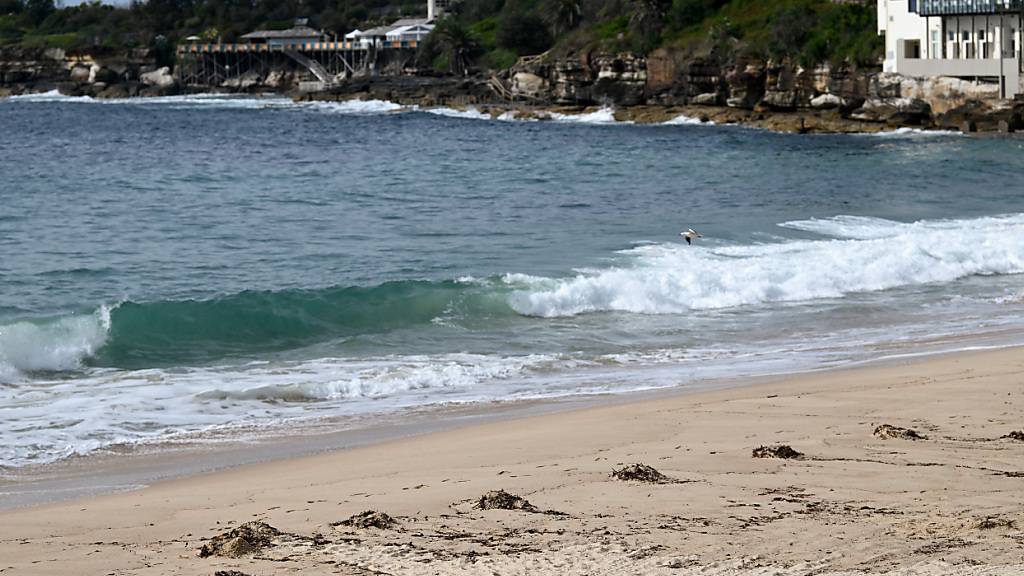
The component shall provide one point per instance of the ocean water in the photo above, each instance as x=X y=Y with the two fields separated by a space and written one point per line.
x=190 y=266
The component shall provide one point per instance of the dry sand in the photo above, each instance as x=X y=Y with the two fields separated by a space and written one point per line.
x=950 y=503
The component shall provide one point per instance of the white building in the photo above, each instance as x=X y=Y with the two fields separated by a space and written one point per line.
x=972 y=39
x=437 y=8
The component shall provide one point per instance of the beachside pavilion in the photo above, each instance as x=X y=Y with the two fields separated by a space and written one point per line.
x=298 y=35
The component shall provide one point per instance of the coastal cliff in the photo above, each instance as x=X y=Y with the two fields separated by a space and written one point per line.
x=778 y=95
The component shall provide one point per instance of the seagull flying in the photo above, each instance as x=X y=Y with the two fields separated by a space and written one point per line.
x=690 y=234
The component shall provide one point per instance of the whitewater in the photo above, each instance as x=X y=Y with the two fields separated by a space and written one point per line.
x=242 y=267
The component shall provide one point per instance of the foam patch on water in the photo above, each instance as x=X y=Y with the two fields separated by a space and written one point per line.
x=605 y=115
x=356 y=107
x=684 y=120
x=470 y=113
x=874 y=255
x=912 y=133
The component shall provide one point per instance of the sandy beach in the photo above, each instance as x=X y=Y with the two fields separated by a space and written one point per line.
x=858 y=499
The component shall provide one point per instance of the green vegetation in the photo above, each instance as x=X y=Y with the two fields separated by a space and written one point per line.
x=479 y=33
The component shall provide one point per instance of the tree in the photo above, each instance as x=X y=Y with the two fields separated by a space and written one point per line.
x=457 y=43
x=523 y=34
x=563 y=15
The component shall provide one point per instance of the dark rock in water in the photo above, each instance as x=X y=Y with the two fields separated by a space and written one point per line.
x=246 y=539
x=1015 y=435
x=106 y=76
x=642 y=473
x=895 y=111
x=783 y=451
x=368 y=519
x=975 y=115
x=501 y=500
x=114 y=91
x=887 y=431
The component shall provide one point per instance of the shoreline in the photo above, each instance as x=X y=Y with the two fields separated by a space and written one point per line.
x=796 y=121
x=948 y=500
x=124 y=468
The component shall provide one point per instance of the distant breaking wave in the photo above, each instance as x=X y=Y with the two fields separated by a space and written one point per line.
x=866 y=255
x=855 y=255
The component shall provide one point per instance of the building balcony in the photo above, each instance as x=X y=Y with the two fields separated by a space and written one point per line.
x=966 y=7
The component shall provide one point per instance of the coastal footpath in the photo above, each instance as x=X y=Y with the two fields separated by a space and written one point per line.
x=913 y=468
x=781 y=96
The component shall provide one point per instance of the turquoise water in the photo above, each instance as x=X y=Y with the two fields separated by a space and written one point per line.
x=183 y=266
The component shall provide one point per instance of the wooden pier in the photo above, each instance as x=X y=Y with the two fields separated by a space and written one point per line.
x=213 y=64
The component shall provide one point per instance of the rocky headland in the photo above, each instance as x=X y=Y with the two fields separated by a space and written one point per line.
x=781 y=96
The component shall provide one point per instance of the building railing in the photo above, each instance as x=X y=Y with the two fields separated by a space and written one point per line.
x=242 y=48
x=966 y=7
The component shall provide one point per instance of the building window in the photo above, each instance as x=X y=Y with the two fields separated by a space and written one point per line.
x=912 y=6
x=981 y=35
x=966 y=36
x=952 y=36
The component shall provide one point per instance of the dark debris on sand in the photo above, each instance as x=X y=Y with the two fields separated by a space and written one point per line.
x=246 y=539
x=784 y=451
x=642 y=473
x=888 y=431
x=229 y=573
x=992 y=522
x=1015 y=435
x=501 y=500
x=369 y=519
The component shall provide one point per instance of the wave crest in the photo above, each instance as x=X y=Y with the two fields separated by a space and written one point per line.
x=874 y=255
x=54 y=345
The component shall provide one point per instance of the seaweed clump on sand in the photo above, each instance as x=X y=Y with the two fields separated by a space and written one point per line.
x=642 y=473
x=229 y=573
x=888 y=431
x=369 y=519
x=246 y=539
x=501 y=500
x=1015 y=435
x=992 y=522
x=784 y=451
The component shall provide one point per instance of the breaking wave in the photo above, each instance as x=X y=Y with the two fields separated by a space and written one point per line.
x=864 y=255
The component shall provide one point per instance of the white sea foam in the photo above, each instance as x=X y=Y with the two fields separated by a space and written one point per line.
x=470 y=113
x=877 y=255
x=51 y=96
x=605 y=115
x=58 y=345
x=906 y=132
x=684 y=120
x=357 y=107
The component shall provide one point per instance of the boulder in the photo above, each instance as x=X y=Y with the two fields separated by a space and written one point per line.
x=984 y=116
x=706 y=99
x=161 y=78
x=114 y=91
x=746 y=86
x=277 y=79
x=780 y=99
x=826 y=101
x=244 y=81
x=79 y=73
x=894 y=111
x=103 y=75
x=528 y=84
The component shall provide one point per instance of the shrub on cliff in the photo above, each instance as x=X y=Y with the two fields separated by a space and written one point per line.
x=523 y=34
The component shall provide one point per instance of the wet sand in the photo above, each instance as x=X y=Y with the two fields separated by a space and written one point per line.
x=852 y=501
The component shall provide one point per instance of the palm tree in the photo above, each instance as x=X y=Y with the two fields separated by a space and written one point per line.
x=458 y=43
x=564 y=15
